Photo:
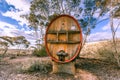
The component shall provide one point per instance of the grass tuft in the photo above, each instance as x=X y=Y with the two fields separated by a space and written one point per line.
x=40 y=52
x=43 y=67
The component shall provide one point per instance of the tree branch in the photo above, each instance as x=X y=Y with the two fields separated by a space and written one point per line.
x=117 y=27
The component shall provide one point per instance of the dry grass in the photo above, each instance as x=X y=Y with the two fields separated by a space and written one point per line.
x=103 y=69
x=100 y=50
x=25 y=68
x=97 y=63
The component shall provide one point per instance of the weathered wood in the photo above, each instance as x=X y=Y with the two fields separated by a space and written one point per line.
x=63 y=42
x=63 y=33
x=64 y=68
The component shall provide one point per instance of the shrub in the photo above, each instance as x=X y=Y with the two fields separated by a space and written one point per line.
x=12 y=57
x=40 y=52
x=43 y=67
x=106 y=52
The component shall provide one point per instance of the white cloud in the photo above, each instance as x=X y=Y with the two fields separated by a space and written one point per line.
x=6 y=29
x=3 y=24
x=102 y=36
x=115 y=24
x=23 y=6
x=99 y=36
x=105 y=33
x=20 y=4
x=16 y=16
x=12 y=31
x=106 y=27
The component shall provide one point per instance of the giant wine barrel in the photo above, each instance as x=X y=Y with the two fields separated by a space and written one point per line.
x=63 y=34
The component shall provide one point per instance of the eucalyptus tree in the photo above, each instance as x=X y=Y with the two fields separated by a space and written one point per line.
x=88 y=13
x=113 y=11
x=3 y=47
x=115 y=14
x=7 y=39
x=43 y=11
x=5 y=42
x=21 y=42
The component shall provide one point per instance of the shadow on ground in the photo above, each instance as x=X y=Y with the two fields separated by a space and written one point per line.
x=87 y=69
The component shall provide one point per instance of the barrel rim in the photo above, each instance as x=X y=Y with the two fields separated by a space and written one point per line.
x=79 y=46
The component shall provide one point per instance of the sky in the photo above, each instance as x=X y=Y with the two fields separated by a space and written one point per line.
x=11 y=24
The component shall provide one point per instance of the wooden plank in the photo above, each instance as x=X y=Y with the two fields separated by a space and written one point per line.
x=64 y=42
x=63 y=34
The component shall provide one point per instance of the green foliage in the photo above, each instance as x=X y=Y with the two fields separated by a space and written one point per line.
x=7 y=39
x=21 y=40
x=43 y=11
x=40 y=67
x=40 y=52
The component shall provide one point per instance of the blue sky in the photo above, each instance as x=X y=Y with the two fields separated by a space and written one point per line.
x=11 y=24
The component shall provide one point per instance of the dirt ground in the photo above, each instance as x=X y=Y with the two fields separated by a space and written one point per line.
x=86 y=69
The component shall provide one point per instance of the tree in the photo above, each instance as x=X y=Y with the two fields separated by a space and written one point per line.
x=43 y=11
x=4 y=47
x=21 y=42
x=7 y=39
x=115 y=14
x=5 y=42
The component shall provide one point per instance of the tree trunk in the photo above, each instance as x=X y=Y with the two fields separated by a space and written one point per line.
x=5 y=51
x=116 y=54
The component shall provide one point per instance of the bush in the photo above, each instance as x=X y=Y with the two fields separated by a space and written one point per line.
x=43 y=67
x=12 y=57
x=40 y=52
x=106 y=52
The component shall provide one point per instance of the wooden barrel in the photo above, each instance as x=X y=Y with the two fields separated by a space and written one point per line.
x=63 y=34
